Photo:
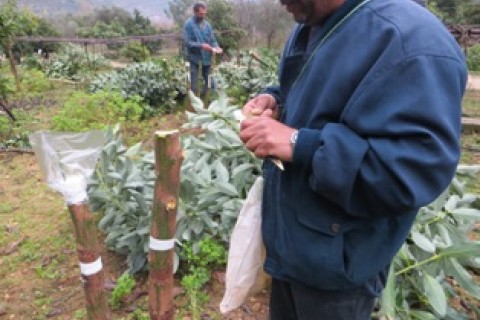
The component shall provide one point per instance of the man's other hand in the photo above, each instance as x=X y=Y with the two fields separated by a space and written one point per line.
x=206 y=47
x=262 y=105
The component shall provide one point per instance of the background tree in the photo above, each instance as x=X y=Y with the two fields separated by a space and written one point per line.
x=221 y=17
x=116 y=22
x=468 y=12
x=179 y=11
x=244 y=12
x=273 y=21
x=37 y=27
x=13 y=22
x=142 y=26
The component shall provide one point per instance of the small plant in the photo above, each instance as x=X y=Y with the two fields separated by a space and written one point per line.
x=15 y=134
x=136 y=51
x=73 y=63
x=80 y=314
x=160 y=84
x=85 y=111
x=200 y=259
x=125 y=285
x=473 y=58
x=35 y=82
x=193 y=283
x=139 y=314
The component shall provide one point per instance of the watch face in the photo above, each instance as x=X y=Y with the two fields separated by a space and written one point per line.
x=293 y=138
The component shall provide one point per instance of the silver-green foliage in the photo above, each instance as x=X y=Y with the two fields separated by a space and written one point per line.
x=249 y=76
x=437 y=254
x=216 y=174
x=73 y=63
x=121 y=189
x=158 y=83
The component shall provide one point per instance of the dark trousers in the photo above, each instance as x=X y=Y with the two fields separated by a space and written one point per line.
x=291 y=301
x=194 y=72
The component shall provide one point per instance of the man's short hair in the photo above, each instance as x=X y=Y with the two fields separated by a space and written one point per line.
x=198 y=5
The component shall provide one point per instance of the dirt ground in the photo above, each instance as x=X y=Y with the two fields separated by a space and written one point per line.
x=39 y=274
x=473 y=82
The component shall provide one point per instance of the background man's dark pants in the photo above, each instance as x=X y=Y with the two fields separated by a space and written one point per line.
x=298 y=302
x=194 y=71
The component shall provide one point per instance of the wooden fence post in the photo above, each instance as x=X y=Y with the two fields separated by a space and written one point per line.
x=90 y=262
x=168 y=160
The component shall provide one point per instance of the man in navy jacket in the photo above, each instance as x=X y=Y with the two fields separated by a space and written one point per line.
x=367 y=120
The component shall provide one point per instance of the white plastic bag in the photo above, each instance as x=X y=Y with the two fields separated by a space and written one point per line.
x=245 y=275
x=67 y=160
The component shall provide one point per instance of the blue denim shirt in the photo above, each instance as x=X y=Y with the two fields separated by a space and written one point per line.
x=194 y=35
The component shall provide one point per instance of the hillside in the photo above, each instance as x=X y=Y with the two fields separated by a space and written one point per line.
x=153 y=9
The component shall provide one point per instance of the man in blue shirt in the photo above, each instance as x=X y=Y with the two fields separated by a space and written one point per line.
x=200 y=43
x=367 y=121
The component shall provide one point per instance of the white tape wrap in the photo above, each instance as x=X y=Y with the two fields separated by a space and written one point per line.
x=74 y=189
x=161 y=245
x=88 y=269
x=75 y=197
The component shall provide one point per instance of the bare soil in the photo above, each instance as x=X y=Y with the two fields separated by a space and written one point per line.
x=473 y=82
x=39 y=273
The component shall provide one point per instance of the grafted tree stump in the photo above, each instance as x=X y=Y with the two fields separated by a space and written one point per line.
x=90 y=264
x=168 y=160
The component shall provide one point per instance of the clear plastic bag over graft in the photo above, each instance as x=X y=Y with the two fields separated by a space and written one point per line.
x=67 y=160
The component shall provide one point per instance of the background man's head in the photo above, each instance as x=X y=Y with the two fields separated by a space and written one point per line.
x=200 y=10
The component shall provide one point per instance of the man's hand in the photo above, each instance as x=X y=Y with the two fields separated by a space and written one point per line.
x=267 y=137
x=217 y=50
x=262 y=105
x=206 y=47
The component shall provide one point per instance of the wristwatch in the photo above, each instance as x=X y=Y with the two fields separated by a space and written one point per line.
x=293 y=138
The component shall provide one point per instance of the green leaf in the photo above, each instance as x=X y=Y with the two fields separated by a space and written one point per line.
x=134 y=150
x=469 y=213
x=462 y=250
x=387 y=300
x=452 y=202
x=221 y=172
x=242 y=168
x=197 y=103
x=435 y=294
x=422 y=242
x=445 y=235
x=226 y=188
x=421 y=315
x=463 y=278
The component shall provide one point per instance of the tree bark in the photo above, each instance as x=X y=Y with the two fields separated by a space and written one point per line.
x=3 y=104
x=168 y=160
x=88 y=252
x=13 y=67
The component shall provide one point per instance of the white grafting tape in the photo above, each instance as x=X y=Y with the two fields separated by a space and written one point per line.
x=161 y=245
x=88 y=269
x=74 y=189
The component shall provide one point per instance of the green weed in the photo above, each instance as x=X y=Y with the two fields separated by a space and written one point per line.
x=5 y=208
x=209 y=255
x=84 y=111
x=125 y=285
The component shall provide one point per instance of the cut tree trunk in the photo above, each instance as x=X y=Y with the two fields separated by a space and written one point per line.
x=168 y=160
x=88 y=254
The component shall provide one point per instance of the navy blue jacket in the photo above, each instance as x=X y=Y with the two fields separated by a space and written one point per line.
x=378 y=108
